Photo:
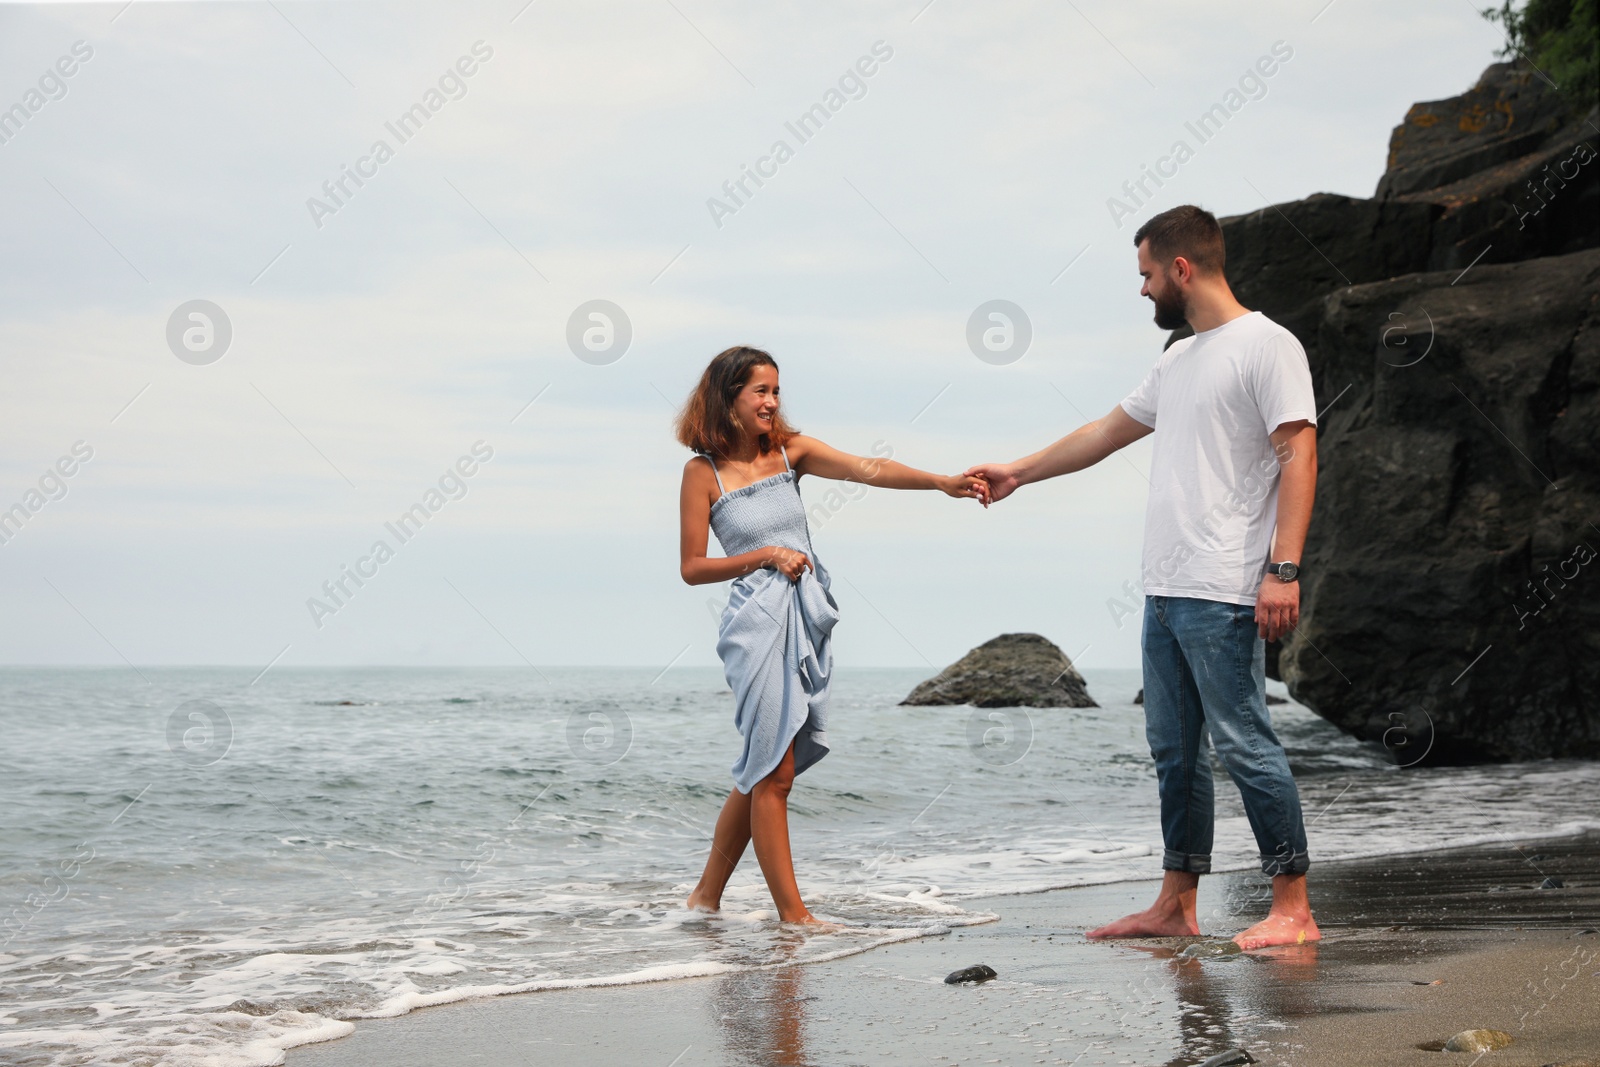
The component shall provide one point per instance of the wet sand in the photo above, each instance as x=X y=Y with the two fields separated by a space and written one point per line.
x=1415 y=949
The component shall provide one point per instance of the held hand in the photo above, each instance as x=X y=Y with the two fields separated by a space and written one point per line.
x=791 y=563
x=999 y=478
x=965 y=485
x=1277 y=607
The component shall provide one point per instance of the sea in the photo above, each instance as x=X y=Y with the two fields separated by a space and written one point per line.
x=203 y=867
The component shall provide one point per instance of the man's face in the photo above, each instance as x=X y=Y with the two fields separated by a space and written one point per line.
x=1162 y=288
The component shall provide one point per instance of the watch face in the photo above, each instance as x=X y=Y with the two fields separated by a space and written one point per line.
x=1288 y=571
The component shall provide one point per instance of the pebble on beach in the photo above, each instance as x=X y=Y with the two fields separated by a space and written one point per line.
x=1229 y=1058
x=974 y=975
x=1552 y=883
x=1478 y=1041
x=1207 y=949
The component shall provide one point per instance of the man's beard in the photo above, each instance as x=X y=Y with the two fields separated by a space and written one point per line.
x=1170 y=312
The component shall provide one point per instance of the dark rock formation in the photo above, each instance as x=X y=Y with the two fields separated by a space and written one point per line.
x=1452 y=592
x=1447 y=486
x=1011 y=671
x=1507 y=116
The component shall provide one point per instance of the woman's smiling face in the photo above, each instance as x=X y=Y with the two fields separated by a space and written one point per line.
x=757 y=402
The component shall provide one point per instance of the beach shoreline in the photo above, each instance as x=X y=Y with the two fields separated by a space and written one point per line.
x=1416 y=949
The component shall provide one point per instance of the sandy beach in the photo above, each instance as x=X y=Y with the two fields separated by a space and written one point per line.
x=1416 y=949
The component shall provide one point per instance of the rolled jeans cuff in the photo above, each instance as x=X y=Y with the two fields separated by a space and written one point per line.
x=1295 y=863
x=1185 y=861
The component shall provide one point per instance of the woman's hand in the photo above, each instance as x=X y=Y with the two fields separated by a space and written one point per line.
x=791 y=563
x=965 y=485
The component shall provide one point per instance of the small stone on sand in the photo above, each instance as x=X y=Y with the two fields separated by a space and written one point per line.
x=977 y=974
x=1478 y=1041
x=1552 y=883
x=1229 y=1059
x=1205 y=949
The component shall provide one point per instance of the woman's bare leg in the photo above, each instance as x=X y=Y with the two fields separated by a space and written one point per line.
x=769 y=827
x=727 y=849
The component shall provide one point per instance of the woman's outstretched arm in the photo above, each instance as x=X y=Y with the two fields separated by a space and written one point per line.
x=811 y=456
x=694 y=534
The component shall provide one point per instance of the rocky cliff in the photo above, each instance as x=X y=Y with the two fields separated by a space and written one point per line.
x=1451 y=604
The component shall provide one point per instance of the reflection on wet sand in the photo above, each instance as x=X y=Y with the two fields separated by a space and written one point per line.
x=1222 y=1001
x=761 y=1016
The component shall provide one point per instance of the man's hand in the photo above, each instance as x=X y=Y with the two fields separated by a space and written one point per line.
x=1001 y=479
x=1277 y=607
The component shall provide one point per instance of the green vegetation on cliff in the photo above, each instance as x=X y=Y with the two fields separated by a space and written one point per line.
x=1560 y=38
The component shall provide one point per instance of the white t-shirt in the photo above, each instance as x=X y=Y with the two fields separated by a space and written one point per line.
x=1212 y=399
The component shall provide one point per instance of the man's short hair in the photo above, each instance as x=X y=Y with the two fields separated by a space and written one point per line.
x=1188 y=231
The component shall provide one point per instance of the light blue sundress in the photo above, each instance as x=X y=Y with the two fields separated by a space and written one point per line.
x=774 y=637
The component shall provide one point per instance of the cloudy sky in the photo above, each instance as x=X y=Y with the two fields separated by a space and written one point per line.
x=382 y=330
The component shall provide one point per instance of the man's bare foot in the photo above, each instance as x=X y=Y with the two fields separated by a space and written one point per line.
x=1149 y=923
x=1279 y=929
x=1172 y=915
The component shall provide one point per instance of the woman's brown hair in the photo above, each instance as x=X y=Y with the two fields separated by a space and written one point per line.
x=707 y=422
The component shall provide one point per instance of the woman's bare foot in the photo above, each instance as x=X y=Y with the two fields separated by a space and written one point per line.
x=698 y=903
x=1279 y=929
x=1152 y=922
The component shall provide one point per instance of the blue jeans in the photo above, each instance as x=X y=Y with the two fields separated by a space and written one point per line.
x=1204 y=672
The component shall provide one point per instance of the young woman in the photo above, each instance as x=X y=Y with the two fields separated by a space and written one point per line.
x=774 y=636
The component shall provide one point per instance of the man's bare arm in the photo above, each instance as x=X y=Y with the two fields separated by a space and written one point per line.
x=1295 y=445
x=1083 y=447
x=1278 y=602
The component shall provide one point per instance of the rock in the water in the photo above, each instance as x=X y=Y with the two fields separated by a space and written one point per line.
x=1478 y=1041
x=1139 y=698
x=1011 y=671
x=1453 y=331
x=977 y=974
x=1201 y=950
x=1230 y=1058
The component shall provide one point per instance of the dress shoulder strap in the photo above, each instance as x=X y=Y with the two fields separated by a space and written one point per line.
x=714 y=472
x=785 y=452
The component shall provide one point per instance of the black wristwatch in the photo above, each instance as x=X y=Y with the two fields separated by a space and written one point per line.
x=1286 y=571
